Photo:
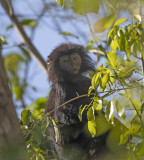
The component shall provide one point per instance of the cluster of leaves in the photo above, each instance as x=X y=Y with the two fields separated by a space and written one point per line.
x=35 y=130
x=120 y=86
x=15 y=64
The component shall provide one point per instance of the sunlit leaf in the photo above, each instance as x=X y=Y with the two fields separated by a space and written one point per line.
x=91 y=114
x=90 y=89
x=109 y=113
x=105 y=80
x=97 y=104
x=122 y=41
x=89 y=45
x=119 y=21
x=81 y=110
x=104 y=23
x=100 y=67
x=123 y=138
x=138 y=17
x=112 y=58
x=25 y=116
x=95 y=79
x=109 y=33
x=114 y=45
x=111 y=78
x=92 y=128
x=133 y=130
x=120 y=110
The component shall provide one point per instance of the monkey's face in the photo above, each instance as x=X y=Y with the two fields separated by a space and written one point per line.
x=70 y=63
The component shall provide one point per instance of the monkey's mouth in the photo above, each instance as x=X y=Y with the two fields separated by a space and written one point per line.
x=75 y=71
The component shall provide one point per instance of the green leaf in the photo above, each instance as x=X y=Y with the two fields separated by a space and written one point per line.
x=69 y=34
x=142 y=95
x=111 y=78
x=89 y=45
x=18 y=91
x=81 y=110
x=60 y=2
x=29 y=22
x=140 y=148
x=133 y=130
x=40 y=157
x=114 y=45
x=97 y=105
x=105 y=81
x=56 y=130
x=100 y=67
x=25 y=116
x=125 y=72
x=12 y=62
x=125 y=95
x=44 y=126
x=95 y=79
x=90 y=89
x=122 y=40
x=119 y=21
x=92 y=128
x=9 y=27
x=123 y=138
x=112 y=58
x=37 y=135
x=109 y=113
x=120 y=110
x=85 y=6
x=91 y=114
x=137 y=104
x=3 y=40
x=104 y=23
x=38 y=107
x=109 y=33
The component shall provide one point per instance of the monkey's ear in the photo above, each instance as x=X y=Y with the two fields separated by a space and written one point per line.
x=48 y=60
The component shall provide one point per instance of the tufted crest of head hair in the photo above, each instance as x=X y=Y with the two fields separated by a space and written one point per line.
x=54 y=72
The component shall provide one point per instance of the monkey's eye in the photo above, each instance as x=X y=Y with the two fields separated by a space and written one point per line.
x=75 y=58
x=66 y=61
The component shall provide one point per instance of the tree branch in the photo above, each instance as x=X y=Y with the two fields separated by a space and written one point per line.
x=33 y=51
x=11 y=138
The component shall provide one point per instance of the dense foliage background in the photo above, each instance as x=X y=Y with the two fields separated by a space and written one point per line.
x=112 y=32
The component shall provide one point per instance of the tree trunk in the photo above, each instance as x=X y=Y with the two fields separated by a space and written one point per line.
x=11 y=140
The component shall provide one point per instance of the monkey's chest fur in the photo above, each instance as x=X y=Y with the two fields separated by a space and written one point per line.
x=66 y=91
